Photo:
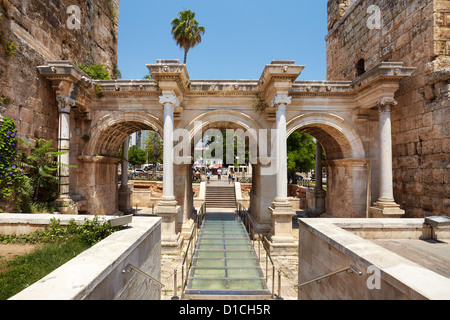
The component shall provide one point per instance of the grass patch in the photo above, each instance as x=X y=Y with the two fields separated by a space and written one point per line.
x=61 y=244
x=25 y=270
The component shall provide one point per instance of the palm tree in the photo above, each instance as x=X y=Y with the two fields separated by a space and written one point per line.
x=186 y=31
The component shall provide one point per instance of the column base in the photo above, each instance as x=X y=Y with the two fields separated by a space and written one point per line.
x=125 y=200
x=283 y=248
x=386 y=209
x=171 y=240
x=66 y=205
x=319 y=204
x=282 y=241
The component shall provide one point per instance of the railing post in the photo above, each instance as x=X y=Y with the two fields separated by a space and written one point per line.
x=182 y=277
x=175 y=282
x=279 y=284
x=267 y=267
x=273 y=281
x=259 y=248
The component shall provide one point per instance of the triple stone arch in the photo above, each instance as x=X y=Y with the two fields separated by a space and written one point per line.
x=342 y=144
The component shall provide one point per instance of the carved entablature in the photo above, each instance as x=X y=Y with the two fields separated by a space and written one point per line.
x=379 y=84
x=170 y=75
x=278 y=77
x=69 y=81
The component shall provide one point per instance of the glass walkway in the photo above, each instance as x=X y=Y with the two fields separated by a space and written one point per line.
x=224 y=264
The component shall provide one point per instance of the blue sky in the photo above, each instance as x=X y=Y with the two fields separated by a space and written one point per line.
x=241 y=36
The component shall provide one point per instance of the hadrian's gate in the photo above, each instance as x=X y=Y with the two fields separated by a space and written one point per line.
x=350 y=120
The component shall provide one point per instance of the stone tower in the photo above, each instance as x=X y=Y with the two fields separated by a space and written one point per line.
x=336 y=10
x=416 y=33
x=33 y=32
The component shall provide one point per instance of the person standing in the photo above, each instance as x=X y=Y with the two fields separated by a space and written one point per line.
x=219 y=174
x=208 y=175
x=230 y=177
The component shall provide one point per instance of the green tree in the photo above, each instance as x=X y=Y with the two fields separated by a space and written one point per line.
x=301 y=153
x=136 y=156
x=186 y=31
x=154 y=148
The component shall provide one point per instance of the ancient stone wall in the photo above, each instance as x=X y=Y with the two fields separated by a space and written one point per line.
x=33 y=32
x=418 y=34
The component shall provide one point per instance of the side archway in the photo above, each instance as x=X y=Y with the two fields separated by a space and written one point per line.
x=346 y=192
x=338 y=138
x=98 y=166
x=110 y=131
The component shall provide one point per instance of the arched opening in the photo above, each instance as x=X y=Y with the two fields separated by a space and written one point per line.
x=218 y=139
x=101 y=160
x=346 y=172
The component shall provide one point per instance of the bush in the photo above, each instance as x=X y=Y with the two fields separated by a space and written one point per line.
x=95 y=71
x=11 y=176
x=91 y=232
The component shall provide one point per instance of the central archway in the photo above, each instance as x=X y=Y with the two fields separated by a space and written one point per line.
x=218 y=120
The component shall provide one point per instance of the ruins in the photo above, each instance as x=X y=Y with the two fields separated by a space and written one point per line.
x=382 y=115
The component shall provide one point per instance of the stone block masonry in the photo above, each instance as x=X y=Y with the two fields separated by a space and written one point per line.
x=42 y=31
x=417 y=33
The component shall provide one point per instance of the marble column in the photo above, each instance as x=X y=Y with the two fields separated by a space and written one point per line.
x=282 y=240
x=64 y=202
x=281 y=103
x=386 y=206
x=168 y=207
x=124 y=190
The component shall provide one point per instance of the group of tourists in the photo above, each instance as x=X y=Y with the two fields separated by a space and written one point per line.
x=231 y=175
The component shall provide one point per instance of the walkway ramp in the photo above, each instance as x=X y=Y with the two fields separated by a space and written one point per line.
x=225 y=265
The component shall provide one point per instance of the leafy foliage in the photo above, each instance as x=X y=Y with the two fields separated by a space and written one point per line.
x=301 y=152
x=11 y=176
x=136 y=156
x=41 y=166
x=95 y=71
x=61 y=244
x=155 y=148
x=91 y=232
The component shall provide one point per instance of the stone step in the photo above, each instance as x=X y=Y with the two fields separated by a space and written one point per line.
x=220 y=197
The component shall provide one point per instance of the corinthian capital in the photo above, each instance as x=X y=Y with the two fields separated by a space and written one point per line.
x=65 y=103
x=281 y=100
x=169 y=98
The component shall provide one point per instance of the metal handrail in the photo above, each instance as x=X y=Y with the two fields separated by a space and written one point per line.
x=250 y=225
x=350 y=268
x=187 y=263
x=130 y=267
